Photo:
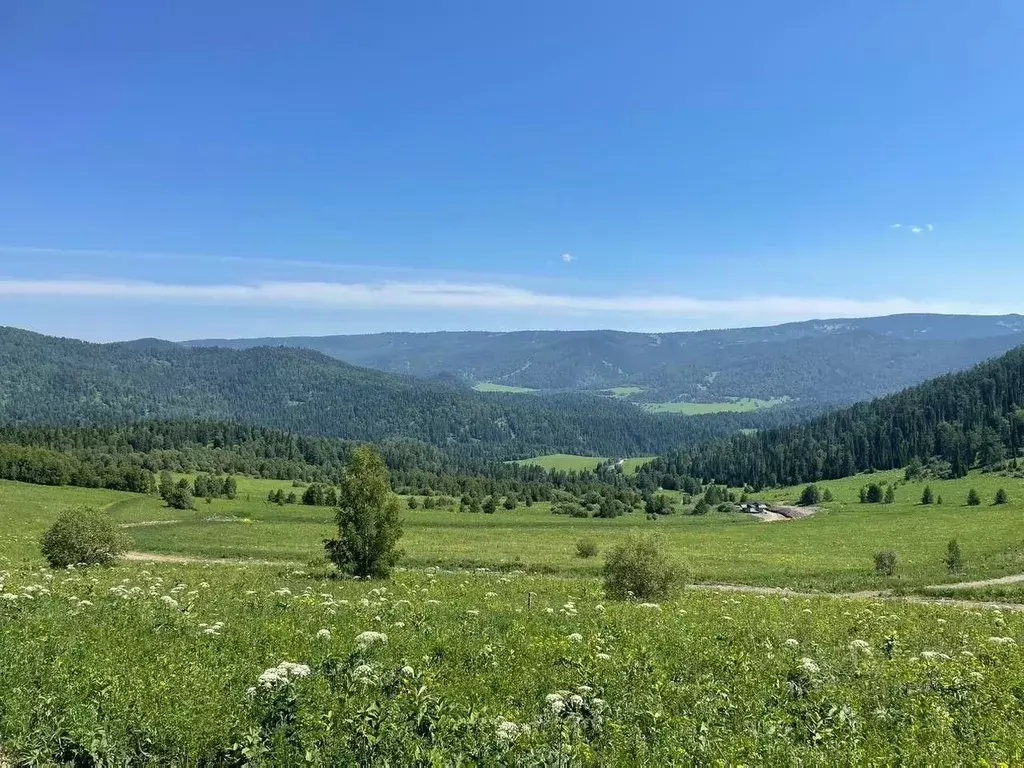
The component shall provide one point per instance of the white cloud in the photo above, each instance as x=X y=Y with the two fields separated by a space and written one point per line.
x=568 y=258
x=916 y=230
x=895 y=226
x=484 y=297
x=930 y=227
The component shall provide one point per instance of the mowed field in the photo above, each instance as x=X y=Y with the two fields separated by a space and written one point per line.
x=832 y=551
x=737 y=405
x=158 y=663
x=568 y=462
x=487 y=386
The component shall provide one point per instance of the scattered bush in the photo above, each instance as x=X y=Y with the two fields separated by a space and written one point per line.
x=890 y=495
x=702 y=507
x=640 y=568
x=954 y=557
x=926 y=495
x=886 y=562
x=586 y=548
x=179 y=495
x=1001 y=497
x=810 y=496
x=826 y=495
x=82 y=535
x=973 y=499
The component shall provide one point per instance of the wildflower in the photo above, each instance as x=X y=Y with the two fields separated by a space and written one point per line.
x=1001 y=641
x=575 y=637
x=549 y=610
x=365 y=639
x=650 y=606
x=604 y=657
x=508 y=731
x=576 y=700
x=473 y=612
x=807 y=611
x=169 y=601
x=860 y=646
x=809 y=666
x=323 y=634
x=363 y=673
x=399 y=625
x=584 y=689
x=407 y=671
x=294 y=670
x=599 y=608
x=792 y=643
x=491 y=594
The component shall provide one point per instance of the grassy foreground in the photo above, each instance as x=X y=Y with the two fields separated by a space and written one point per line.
x=161 y=664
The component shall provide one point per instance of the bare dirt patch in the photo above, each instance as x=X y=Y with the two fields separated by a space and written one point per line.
x=154 y=557
x=145 y=523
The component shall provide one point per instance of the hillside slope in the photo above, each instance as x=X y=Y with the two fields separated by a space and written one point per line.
x=822 y=361
x=970 y=418
x=63 y=381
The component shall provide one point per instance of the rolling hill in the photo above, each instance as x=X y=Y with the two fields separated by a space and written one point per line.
x=68 y=382
x=826 y=362
x=961 y=420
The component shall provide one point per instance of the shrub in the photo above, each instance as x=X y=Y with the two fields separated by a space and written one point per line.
x=973 y=499
x=586 y=548
x=885 y=562
x=890 y=495
x=826 y=495
x=810 y=496
x=179 y=496
x=926 y=495
x=414 y=503
x=641 y=568
x=490 y=505
x=369 y=526
x=1001 y=497
x=82 y=535
x=702 y=507
x=954 y=558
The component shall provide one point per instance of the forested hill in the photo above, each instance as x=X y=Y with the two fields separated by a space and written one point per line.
x=969 y=418
x=837 y=361
x=61 y=381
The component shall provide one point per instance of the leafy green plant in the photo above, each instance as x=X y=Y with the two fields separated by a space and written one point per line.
x=586 y=548
x=886 y=562
x=82 y=535
x=640 y=567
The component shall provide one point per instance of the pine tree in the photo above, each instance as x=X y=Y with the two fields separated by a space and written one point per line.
x=926 y=495
x=973 y=499
x=1001 y=497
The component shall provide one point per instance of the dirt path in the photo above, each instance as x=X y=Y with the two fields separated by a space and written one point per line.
x=869 y=595
x=153 y=557
x=1014 y=579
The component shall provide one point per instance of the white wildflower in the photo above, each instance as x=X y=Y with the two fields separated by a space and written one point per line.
x=604 y=657
x=366 y=639
x=323 y=634
x=933 y=655
x=650 y=606
x=1000 y=641
x=576 y=700
x=792 y=642
x=809 y=666
x=860 y=646
x=407 y=671
x=507 y=731
x=169 y=601
x=575 y=637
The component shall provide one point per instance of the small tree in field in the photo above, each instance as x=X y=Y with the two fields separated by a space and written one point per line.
x=973 y=499
x=885 y=562
x=1001 y=497
x=890 y=495
x=926 y=495
x=954 y=557
x=82 y=535
x=826 y=495
x=641 y=568
x=368 y=523
x=810 y=496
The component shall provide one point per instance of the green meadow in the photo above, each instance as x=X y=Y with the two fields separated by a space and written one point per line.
x=734 y=405
x=487 y=386
x=567 y=462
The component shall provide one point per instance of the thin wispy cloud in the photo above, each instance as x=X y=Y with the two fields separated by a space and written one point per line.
x=895 y=226
x=568 y=258
x=916 y=229
x=482 y=297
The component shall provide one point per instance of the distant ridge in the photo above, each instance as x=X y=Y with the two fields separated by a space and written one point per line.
x=826 y=362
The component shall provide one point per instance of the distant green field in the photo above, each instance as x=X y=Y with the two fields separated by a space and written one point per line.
x=487 y=386
x=623 y=391
x=738 y=405
x=564 y=461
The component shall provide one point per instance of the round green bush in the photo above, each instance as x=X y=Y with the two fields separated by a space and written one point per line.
x=82 y=535
x=640 y=568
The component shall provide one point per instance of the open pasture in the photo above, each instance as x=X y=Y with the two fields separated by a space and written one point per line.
x=734 y=405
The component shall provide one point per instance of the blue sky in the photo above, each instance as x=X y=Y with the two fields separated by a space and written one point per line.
x=226 y=169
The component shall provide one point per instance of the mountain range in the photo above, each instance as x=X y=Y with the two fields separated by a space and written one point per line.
x=823 y=362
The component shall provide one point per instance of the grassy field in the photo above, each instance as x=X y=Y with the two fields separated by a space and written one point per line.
x=158 y=663
x=566 y=462
x=623 y=391
x=736 y=405
x=487 y=386
x=831 y=551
